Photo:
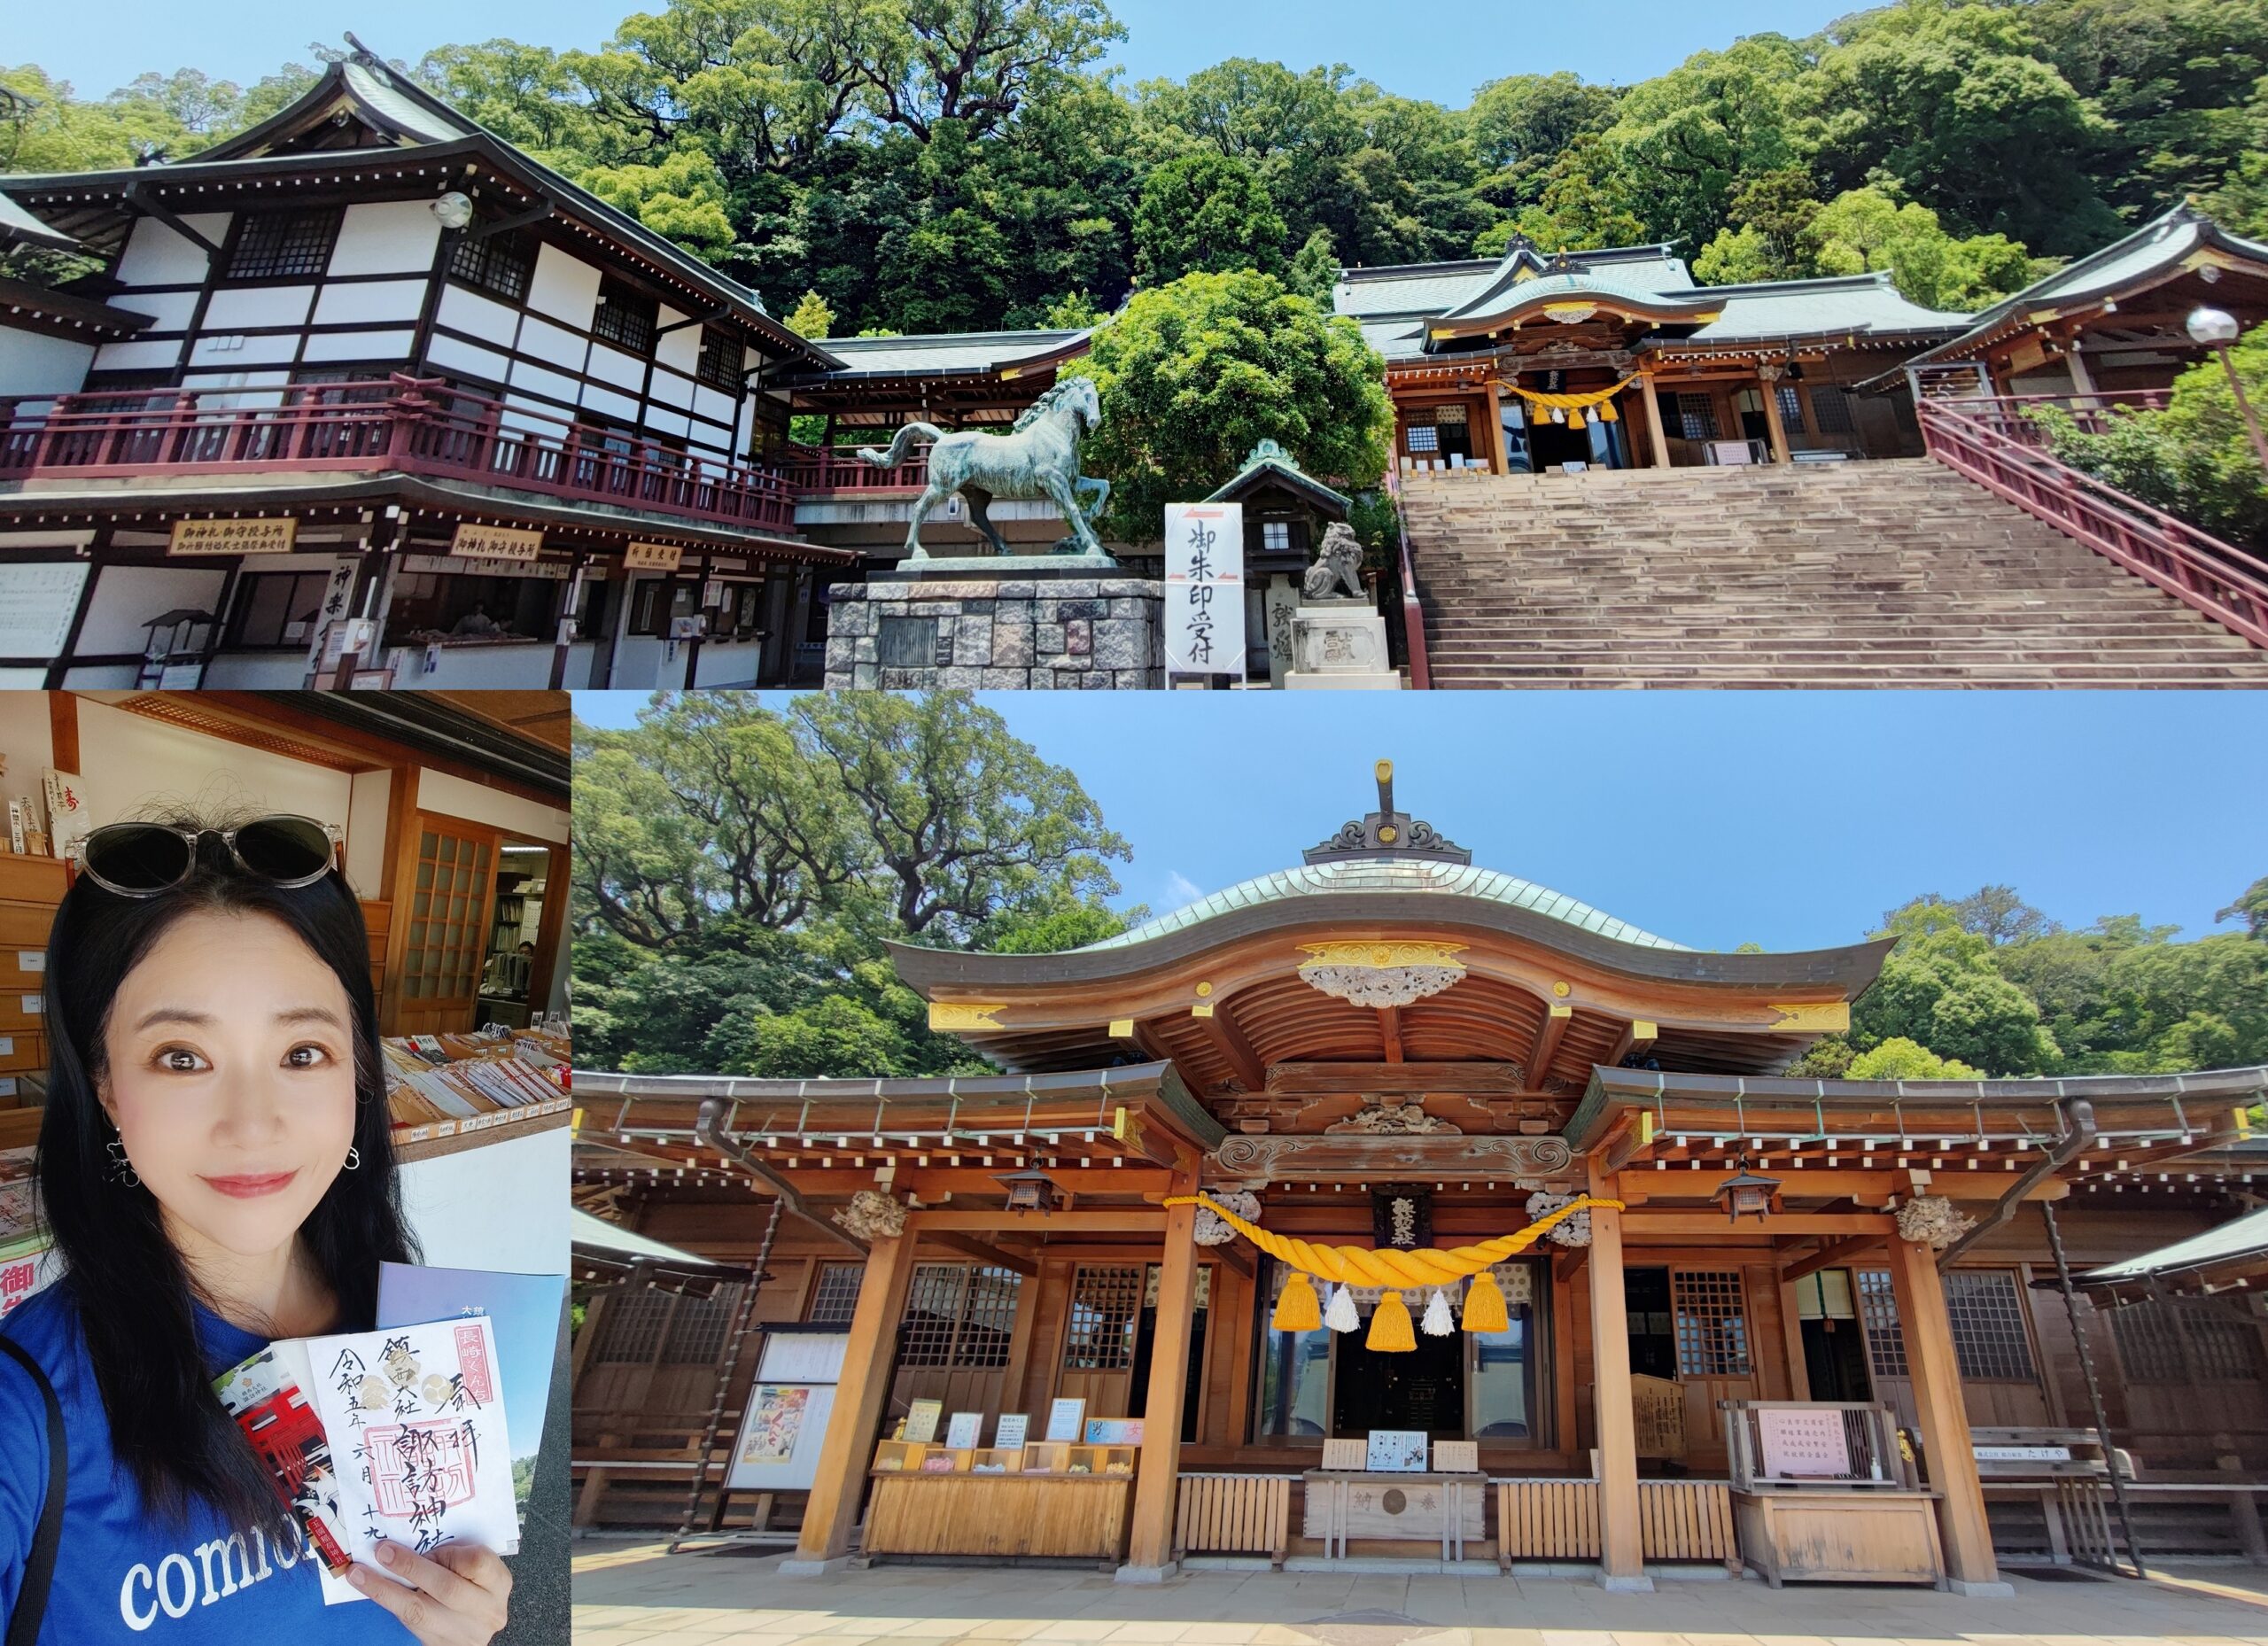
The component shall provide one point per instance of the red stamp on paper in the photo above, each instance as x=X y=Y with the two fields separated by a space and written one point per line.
x=417 y=1470
x=472 y=1363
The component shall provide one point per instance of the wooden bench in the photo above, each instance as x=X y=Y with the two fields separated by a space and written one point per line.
x=1234 y=1514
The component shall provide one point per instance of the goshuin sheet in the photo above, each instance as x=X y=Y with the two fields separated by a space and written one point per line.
x=415 y=1417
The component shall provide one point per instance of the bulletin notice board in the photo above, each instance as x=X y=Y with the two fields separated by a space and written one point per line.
x=784 y=1422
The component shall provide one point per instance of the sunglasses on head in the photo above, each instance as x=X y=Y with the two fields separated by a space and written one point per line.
x=144 y=859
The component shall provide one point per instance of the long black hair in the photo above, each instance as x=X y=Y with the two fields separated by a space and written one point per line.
x=133 y=1293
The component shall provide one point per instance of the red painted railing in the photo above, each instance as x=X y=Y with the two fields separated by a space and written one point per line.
x=1992 y=443
x=404 y=424
x=839 y=469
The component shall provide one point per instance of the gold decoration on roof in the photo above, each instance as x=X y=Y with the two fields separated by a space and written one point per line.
x=1825 y=1017
x=952 y=1015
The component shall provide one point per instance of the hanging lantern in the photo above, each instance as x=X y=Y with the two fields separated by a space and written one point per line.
x=1439 y=1323
x=1340 y=1317
x=1032 y=1191
x=1745 y=1192
x=1296 y=1310
x=1390 y=1331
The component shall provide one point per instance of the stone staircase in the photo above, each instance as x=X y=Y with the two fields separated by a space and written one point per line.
x=1862 y=574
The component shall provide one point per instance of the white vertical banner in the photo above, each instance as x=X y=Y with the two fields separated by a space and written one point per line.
x=1204 y=614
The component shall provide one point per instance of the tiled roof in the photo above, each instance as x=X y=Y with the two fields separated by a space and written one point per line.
x=945 y=352
x=2240 y=1238
x=1400 y=875
x=1797 y=308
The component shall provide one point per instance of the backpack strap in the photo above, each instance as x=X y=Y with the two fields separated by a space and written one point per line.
x=39 y=1566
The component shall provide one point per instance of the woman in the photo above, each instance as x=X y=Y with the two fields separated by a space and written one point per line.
x=216 y=1168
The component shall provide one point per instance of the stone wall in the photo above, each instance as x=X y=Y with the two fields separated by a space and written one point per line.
x=906 y=632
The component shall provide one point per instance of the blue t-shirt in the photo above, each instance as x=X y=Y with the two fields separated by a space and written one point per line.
x=121 y=1574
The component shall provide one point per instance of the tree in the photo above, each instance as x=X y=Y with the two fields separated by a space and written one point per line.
x=1865 y=229
x=1192 y=374
x=1682 y=142
x=682 y=198
x=1940 y=988
x=2252 y=909
x=1521 y=124
x=977 y=61
x=1205 y=211
x=812 y=318
x=1900 y=1059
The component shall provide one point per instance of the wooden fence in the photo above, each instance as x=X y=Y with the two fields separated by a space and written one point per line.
x=1558 y=1520
x=1234 y=1514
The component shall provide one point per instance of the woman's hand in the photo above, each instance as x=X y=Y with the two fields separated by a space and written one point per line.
x=456 y=1597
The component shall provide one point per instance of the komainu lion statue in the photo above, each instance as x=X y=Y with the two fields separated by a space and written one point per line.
x=1338 y=565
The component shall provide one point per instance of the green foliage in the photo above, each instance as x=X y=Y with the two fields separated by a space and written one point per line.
x=1900 y=1059
x=1940 y=989
x=1194 y=374
x=812 y=318
x=2195 y=458
x=1865 y=229
x=682 y=198
x=1205 y=211
x=745 y=866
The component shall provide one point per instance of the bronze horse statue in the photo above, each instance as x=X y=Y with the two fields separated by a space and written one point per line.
x=1038 y=459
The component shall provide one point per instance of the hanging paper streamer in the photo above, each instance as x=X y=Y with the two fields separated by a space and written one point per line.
x=1569 y=408
x=1340 y=1317
x=1439 y=1323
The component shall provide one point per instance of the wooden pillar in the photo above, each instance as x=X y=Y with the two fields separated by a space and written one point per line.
x=1493 y=399
x=1656 y=436
x=1157 y=1480
x=1768 y=379
x=869 y=1357
x=1927 y=1330
x=1622 y=1562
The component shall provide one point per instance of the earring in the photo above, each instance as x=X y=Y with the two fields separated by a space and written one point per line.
x=353 y=1157
x=121 y=1169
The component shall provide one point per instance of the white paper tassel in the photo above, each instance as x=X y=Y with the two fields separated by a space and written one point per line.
x=1340 y=1316
x=1439 y=1323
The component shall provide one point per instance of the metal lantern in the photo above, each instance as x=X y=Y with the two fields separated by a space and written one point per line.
x=1746 y=1191
x=2212 y=327
x=453 y=210
x=1033 y=1192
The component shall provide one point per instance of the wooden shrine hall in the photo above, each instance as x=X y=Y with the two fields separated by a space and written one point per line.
x=1076 y=1308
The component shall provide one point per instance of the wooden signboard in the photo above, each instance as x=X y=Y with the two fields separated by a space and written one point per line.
x=652 y=556
x=1456 y=1457
x=37 y=599
x=1799 y=1444
x=921 y=1419
x=262 y=535
x=487 y=542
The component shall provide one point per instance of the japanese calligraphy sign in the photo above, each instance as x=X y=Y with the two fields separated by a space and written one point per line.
x=486 y=542
x=266 y=535
x=417 y=1427
x=652 y=556
x=1799 y=1442
x=1204 y=613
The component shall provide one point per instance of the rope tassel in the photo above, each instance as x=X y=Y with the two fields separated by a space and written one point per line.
x=1439 y=1323
x=1484 y=1304
x=1297 y=1310
x=1390 y=1331
x=1340 y=1317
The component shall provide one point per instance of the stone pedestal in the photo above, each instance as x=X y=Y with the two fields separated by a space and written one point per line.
x=1339 y=644
x=993 y=625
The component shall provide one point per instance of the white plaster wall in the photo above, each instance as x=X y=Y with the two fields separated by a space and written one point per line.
x=168 y=311
x=725 y=662
x=232 y=308
x=138 y=356
x=460 y=797
x=133 y=765
x=610 y=364
x=563 y=287
x=109 y=677
x=369 y=301
x=501 y=1206
x=372 y=346
x=609 y=403
x=477 y=317
x=126 y=597
x=663 y=421
x=368 y=793
x=673 y=391
x=156 y=256
x=537 y=380
x=480 y=669
x=234 y=349
x=451 y=356
x=715 y=407
x=22 y=680
x=386 y=237
x=32 y=363
x=546 y=342
x=26 y=737
x=680 y=348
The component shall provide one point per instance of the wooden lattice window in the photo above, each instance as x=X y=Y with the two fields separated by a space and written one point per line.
x=626 y=316
x=1106 y=1306
x=723 y=358
x=958 y=1314
x=2153 y=1335
x=1697 y=416
x=1830 y=410
x=696 y=1336
x=1878 y=1308
x=1988 y=1330
x=1712 y=1323
x=502 y=263
x=631 y=1324
x=274 y=245
x=1792 y=408
x=835 y=1297
x=445 y=942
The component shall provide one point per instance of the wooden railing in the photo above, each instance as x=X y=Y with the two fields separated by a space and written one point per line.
x=1559 y=1520
x=1234 y=1514
x=1413 y=610
x=840 y=468
x=1992 y=443
x=406 y=424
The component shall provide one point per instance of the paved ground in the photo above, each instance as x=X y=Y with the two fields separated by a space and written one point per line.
x=628 y=1594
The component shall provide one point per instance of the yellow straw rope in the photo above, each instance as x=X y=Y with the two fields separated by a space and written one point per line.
x=1569 y=402
x=1425 y=1266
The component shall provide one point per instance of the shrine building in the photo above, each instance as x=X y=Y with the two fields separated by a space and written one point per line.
x=1388 y=1206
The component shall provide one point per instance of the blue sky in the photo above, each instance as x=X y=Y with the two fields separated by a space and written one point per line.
x=1792 y=819
x=1442 y=56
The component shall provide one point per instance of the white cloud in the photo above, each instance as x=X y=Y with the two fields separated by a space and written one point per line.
x=1180 y=892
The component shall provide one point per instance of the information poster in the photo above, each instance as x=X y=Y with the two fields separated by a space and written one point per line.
x=784 y=1423
x=1014 y=1426
x=1395 y=1451
x=1802 y=1444
x=961 y=1434
x=1064 y=1417
x=922 y=1420
x=1113 y=1432
x=37 y=600
x=1204 y=611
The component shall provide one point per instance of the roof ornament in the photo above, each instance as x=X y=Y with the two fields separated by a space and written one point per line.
x=1386 y=833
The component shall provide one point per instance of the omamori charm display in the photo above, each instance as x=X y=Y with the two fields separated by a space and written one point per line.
x=1296 y=1310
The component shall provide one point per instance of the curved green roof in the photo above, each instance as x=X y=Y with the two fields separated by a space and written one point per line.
x=1393 y=874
